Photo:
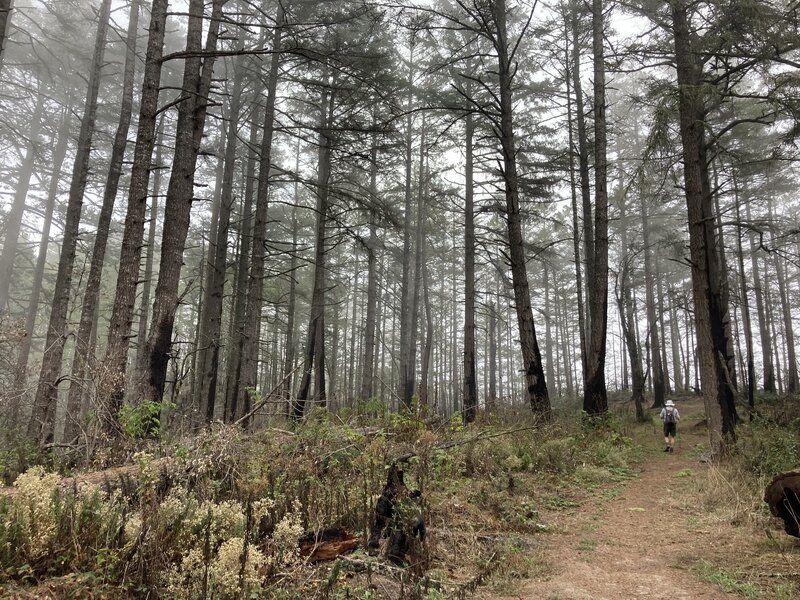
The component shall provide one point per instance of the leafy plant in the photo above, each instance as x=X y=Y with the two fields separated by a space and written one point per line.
x=143 y=420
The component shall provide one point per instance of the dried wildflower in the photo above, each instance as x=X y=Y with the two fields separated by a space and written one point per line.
x=284 y=543
x=185 y=580
x=33 y=509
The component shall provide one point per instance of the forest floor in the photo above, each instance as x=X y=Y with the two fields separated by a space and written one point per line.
x=653 y=538
x=572 y=510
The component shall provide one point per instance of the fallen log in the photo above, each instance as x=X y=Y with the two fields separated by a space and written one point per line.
x=123 y=478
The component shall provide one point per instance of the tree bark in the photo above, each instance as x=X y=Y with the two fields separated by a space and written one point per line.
x=195 y=90
x=84 y=349
x=595 y=400
x=709 y=312
x=128 y=275
x=42 y=424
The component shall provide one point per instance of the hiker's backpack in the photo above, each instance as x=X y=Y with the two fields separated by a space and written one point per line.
x=669 y=414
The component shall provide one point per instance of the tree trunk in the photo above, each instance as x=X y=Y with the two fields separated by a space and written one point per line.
x=656 y=372
x=536 y=387
x=576 y=234
x=13 y=220
x=42 y=424
x=237 y=324
x=786 y=311
x=595 y=400
x=470 y=388
x=748 y=329
x=192 y=109
x=709 y=312
x=288 y=363
x=583 y=171
x=419 y=251
x=724 y=283
x=59 y=154
x=147 y=277
x=763 y=329
x=628 y=322
x=367 y=375
x=773 y=327
x=315 y=347
x=242 y=372
x=84 y=349
x=661 y=310
x=406 y=390
x=550 y=350
x=211 y=316
x=491 y=400
x=674 y=340
x=350 y=366
x=424 y=389
x=6 y=6
x=131 y=253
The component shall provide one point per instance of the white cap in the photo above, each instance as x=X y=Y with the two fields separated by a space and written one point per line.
x=670 y=403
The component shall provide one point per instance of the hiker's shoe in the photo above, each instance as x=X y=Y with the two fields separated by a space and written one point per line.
x=666 y=449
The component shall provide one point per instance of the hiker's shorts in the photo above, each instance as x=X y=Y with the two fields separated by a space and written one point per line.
x=670 y=429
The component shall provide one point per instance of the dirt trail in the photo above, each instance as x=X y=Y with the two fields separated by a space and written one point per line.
x=636 y=545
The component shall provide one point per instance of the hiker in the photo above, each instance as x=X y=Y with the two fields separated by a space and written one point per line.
x=670 y=416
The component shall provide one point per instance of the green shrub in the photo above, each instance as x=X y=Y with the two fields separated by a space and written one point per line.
x=766 y=448
x=143 y=420
x=557 y=454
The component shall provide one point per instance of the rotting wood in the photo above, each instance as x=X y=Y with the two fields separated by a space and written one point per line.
x=327 y=544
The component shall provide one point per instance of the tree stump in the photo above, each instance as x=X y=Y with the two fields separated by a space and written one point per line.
x=398 y=516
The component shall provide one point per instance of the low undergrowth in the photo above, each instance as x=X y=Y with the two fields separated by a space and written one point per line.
x=729 y=501
x=220 y=515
